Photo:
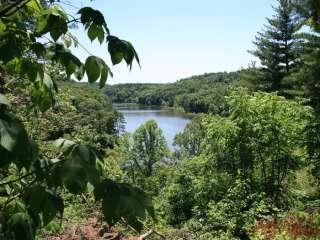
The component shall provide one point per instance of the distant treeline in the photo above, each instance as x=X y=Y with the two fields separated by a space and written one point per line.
x=203 y=93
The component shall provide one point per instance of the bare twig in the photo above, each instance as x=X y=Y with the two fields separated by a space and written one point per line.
x=151 y=232
x=9 y=200
x=76 y=40
x=16 y=180
x=127 y=225
x=70 y=5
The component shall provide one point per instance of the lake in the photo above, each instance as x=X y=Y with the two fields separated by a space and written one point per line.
x=171 y=122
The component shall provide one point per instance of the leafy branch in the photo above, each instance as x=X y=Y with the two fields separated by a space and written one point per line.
x=16 y=6
x=17 y=179
x=21 y=53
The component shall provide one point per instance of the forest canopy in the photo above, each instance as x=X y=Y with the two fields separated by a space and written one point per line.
x=203 y=93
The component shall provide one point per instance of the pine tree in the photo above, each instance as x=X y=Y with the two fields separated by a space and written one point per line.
x=309 y=10
x=276 y=47
x=308 y=71
x=309 y=74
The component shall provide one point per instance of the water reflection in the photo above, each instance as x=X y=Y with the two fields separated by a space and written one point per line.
x=169 y=121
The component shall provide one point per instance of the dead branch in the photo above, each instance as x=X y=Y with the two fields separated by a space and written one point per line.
x=151 y=232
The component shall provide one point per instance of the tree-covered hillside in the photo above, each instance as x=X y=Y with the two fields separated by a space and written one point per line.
x=203 y=93
x=80 y=112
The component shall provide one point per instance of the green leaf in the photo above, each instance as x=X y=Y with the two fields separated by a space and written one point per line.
x=131 y=55
x=71 y=63
x=92 y=32
x=14 y=142
x=89 y=17
x=54 y=179
x=10 y=47
x=95 y=68
x=79 y=169
x=100 y=34
x=11 y=131
x=64 y=145
x=35 y=6
x=4 y=100
x=42 y=94
x=2 y=28
x=43 y=202
x=33 y=69
x=89 y=159
x=55 y=23
x=116 y=57
x=73 y=175
x=96 y=31
x=20 y=225
x=116 y=49
x=42 y=25
x=122 y=200
x=58 y=26
x=110 y=193
x=104 y=77
x=121 y=49
x=94 y=21
x=39 y=49
x=92 y=68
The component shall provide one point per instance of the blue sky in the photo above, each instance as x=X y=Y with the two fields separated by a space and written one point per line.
x=178 y=38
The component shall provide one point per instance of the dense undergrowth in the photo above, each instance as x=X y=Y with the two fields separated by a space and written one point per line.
x=220 y=183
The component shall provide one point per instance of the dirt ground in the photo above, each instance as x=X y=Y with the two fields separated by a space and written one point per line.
x=92 y=229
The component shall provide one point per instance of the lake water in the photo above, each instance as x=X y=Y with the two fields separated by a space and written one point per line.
x=168 y=120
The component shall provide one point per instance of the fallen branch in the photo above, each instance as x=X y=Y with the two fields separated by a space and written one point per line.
x=147 y=234
x=127 y=225
x=151 y=232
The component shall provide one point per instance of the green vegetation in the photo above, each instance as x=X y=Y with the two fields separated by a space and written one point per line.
x=250 y=168
x=277 y=49
x=35 y=39
x=204 y=93
x=246 y=167
x=149 y=147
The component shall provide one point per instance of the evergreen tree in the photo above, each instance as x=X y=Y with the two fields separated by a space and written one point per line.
x=309 y=10
x=276 y=47
x=308 y=73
